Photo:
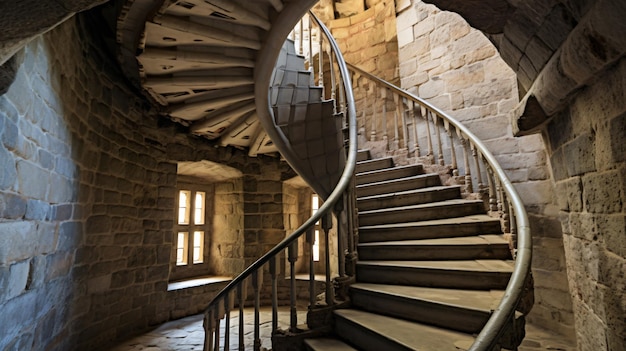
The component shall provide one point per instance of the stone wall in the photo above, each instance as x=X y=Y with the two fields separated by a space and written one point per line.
x=455 y=67
x=368 y=40
x=87 y=193
x=588 y=158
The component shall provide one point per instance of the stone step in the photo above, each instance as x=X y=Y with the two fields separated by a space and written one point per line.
x=461 y=248
x=370 y=331
x=380 y=175
x=327 y=344
x=363 y=155
x=455 y=274
x=421 y=212
x=461 y=310
x=409 y=197
x=439 y=228
x=397 y=185
x=372 y=165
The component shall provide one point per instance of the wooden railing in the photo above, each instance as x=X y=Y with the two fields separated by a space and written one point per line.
x=248 y=287
x=430 y=136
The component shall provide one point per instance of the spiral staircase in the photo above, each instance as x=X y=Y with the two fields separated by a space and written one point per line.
x=432 y=265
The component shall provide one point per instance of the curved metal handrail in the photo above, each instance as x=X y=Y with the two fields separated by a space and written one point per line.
x=494 y=327
x=343 y=184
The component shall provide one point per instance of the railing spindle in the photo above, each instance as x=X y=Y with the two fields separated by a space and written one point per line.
x=326 y=225
x=217 y=328
x=369 y=93
x=227 y=323
x=439 y=144
x=241 y=301
x=274 y=294
x=292 y=257
x=426 y=115
x=333 y=88
x=301 y=37
x=257 y=307
x=310 y=238
x=396 y=116
x=493 y=202
x=208 y=331
x=455 y=167
x=479 y=176
x=383 y=99
x=468 y=172
x=320 y=60
x=413 y=118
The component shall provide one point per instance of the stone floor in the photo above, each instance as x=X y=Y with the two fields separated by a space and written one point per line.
x=187 y=334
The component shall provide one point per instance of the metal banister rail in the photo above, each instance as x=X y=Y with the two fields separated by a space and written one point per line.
x=234 y=293
x=503 y=197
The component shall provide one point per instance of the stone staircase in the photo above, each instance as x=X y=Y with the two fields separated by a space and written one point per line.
x=432 y=265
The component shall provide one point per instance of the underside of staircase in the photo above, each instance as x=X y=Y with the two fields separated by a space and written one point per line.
x=431 y=268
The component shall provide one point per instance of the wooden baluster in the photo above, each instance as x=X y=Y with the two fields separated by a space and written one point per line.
x=274 y=294
x=413 y=117
x=439 y=144
x=396 y=115
x=292 y=257
x=468 y=172
x=241 y=301
x=326 y=225
x=455 y=167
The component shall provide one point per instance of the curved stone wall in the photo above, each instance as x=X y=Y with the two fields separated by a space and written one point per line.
x=88 y=178
x=455 y=67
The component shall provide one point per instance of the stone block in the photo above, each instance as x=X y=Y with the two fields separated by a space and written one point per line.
x=466 y=77
x=406 y=19
x=31 y=180
x=18 y=279
x=424 y=27
x=58 y=265
x=613 y=231
x=37 y=210
x=99 y=284
x=10 y=135
x=617 y=137
x=602 y=192
x=22 y=311
x=12 y=206
x=582 y=149
x=20 y=240
x=535 y=193
x=432 y=88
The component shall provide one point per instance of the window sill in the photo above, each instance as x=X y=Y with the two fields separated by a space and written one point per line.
x=195 y=282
